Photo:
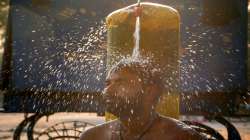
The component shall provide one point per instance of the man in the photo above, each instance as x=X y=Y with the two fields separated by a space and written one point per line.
x=132 y=91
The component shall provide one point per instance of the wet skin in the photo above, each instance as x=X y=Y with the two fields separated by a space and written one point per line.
x=126 y=91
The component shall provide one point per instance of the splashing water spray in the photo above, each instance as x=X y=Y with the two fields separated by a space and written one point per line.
x=148 y=32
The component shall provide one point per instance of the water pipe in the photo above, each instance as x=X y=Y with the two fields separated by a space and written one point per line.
x=138 y=8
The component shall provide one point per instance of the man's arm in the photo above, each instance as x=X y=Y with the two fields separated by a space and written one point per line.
x=191 y=134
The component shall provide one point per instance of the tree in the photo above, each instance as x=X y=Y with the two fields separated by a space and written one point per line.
x=4 y=8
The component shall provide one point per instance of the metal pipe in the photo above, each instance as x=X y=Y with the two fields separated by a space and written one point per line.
x=138 y=2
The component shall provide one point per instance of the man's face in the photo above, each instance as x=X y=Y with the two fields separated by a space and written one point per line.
x=123 y=93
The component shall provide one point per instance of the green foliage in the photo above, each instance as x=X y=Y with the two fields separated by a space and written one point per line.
x=4 y=4
x=4 y=8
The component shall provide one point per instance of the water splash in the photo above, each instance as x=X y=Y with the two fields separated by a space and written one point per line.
x=136 y=50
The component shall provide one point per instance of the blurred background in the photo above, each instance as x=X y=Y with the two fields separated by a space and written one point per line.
x=3 y=23
x=9 y=121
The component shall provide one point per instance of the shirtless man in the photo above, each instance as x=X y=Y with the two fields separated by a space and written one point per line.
x=131 y=93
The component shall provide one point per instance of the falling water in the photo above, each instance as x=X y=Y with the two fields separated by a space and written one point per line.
x=136 y=51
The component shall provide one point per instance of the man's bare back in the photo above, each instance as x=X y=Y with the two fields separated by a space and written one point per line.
x=162 y=129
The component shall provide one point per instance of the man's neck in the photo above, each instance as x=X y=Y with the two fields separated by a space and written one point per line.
x=137 y=123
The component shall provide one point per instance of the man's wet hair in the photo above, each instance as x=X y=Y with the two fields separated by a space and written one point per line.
x=148 y=72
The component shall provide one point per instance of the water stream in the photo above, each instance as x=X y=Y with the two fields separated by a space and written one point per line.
x=136 y=50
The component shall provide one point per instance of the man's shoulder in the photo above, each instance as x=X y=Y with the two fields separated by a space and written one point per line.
x=181 y=129
x=98 y=131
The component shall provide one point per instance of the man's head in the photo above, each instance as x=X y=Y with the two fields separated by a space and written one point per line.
x=132 y=87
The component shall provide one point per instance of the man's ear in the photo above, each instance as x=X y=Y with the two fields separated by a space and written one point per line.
x=153 y=92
